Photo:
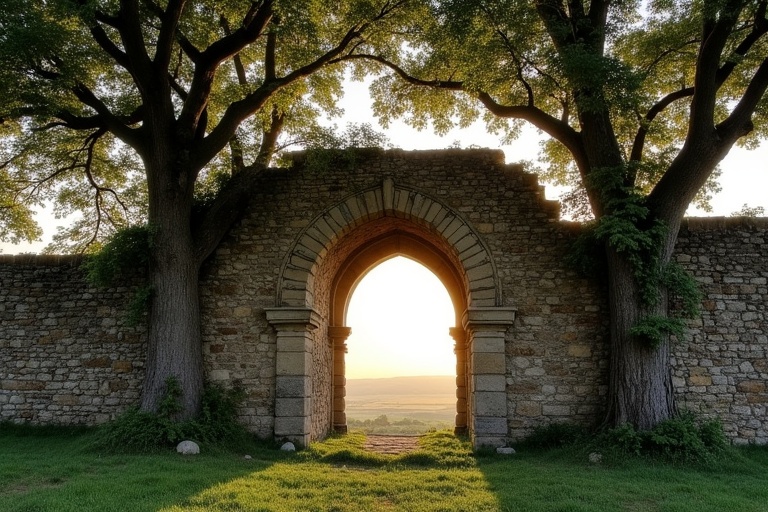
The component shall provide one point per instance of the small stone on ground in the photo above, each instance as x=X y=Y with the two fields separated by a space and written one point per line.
x=188 y=448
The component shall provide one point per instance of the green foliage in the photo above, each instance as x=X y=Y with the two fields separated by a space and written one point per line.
x=749 y=211
x=653 y=329
x=680 y=439
x=139 y=305
x=128 y=249
x=624 y=438
x=326 y=148
x=323 y=160
x=627 y=227
x=683 y=288
x=555 y=435
x=141 y=431
x=586 y=254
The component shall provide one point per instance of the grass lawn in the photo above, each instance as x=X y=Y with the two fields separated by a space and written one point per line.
x=58 y=470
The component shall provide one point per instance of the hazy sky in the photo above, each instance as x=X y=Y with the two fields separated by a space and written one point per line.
x=400 y=314
x=744 y=179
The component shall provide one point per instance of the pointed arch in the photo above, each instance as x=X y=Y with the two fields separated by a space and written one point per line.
x=476 y=268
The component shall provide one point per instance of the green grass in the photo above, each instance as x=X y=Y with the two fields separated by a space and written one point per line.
x=57 y=470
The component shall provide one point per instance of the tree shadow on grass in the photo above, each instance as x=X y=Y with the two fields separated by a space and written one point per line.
x=566 y=480
x=56 y=470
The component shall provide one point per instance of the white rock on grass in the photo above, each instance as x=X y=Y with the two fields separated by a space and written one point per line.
x=288 y=447
x=505 y=450
x=188 y=448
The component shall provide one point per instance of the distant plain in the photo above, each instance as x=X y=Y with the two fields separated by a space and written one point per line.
x=430 y=401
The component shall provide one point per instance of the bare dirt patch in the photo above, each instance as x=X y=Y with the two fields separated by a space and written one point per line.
x=391 y=445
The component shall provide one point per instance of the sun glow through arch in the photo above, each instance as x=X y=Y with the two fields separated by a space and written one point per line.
x=400 y=314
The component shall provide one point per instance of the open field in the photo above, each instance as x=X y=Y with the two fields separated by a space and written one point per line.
x=58 y=471
x=424 y=403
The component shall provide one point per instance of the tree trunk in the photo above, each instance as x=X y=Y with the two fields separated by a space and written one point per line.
x=174 y=345
x=640 y=389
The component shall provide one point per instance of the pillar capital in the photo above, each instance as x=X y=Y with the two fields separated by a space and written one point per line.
x=292 y=318
x=338 y=332
x=488 y=318
x=458 y=334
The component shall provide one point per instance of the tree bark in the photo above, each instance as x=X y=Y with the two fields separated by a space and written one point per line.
x=174 y=343
x=640 y=389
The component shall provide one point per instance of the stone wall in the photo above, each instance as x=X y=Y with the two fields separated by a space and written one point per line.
x=721 y=364
x=67 y=356
x=66 y=353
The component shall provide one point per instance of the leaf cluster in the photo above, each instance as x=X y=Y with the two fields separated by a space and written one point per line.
x=141 y=431
x=683 y=438
x=629 y=229
x=127 y=250
x=126 y=253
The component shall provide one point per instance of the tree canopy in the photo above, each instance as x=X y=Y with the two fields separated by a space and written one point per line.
x=165 y=111
x=80 y=78
x=554 y=64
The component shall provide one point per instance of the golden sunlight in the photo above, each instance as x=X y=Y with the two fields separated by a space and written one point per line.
x=400 y=314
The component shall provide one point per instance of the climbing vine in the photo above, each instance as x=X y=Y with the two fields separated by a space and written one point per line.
x=630 y=230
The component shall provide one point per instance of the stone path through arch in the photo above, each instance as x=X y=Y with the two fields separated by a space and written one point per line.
x=391 y=445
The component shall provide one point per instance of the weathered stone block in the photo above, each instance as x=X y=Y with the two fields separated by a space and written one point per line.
x=579 y=350
x=528 y=409
x=288 y=407
x=286 y=426
x=700 y=380
x=490 y=383
x=489 y=403
x=485 y=363
x=751 y=386
x=556 y=410
x=293 y=363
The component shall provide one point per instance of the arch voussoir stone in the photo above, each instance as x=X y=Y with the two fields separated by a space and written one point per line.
x=389 y=198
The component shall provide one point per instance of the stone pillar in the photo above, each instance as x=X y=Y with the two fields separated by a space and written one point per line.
x=486 y=329
x=337 y=337
x=293 y=372
x=460 y=349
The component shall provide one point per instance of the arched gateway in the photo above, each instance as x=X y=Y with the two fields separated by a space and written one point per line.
x=339 y=246
x=530 y=333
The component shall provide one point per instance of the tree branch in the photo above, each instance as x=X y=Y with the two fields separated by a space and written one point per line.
x=209 y=60
x=131 y=35
x=109 y=120
x=165 y=40
x=715 y=36
x=759 y=29
x=239 y=110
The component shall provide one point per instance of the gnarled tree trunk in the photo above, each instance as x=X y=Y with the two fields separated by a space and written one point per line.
x=174 y=344
x=640 y=389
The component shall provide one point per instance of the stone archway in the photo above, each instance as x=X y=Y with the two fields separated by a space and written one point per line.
x=316 y=280
x=395 y=242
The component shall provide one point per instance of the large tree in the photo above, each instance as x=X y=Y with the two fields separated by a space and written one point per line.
x=126 y=109
x=641 y=100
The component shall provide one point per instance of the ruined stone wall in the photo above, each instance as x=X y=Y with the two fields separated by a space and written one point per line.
x=721 y=364
x=556 y=350
x=66 y=355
